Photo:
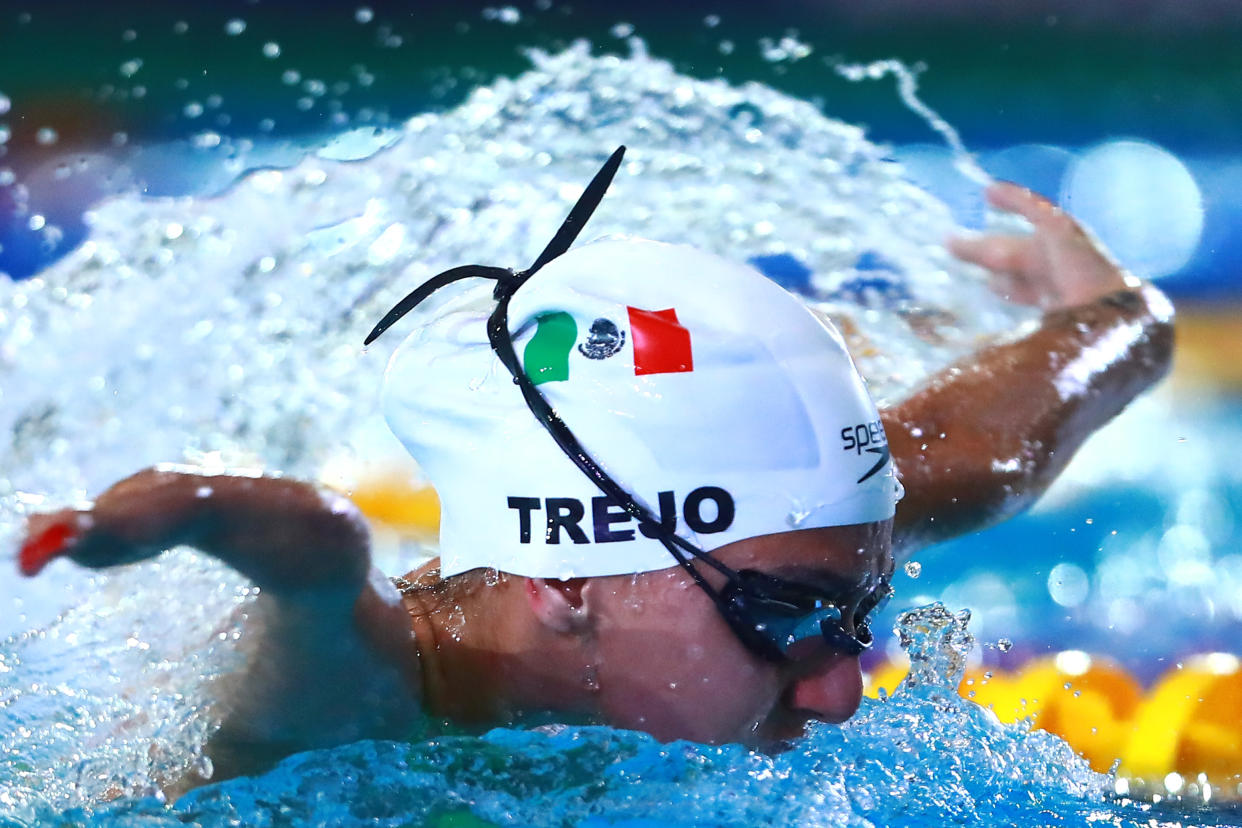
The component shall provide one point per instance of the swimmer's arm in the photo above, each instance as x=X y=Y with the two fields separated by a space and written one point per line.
x=282 y=534
x=985 y=438
x=331 y=655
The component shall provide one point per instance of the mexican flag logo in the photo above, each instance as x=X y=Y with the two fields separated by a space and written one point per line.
x=661 y=345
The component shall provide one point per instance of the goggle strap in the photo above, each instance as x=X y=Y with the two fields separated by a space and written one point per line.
x=582 y=210
x=500 y=274
x=507 y=280
x=497 y=333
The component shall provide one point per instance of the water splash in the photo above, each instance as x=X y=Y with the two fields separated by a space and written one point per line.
x=114 y=697
x=923 y=756
x=908 y=88
x=937 y=643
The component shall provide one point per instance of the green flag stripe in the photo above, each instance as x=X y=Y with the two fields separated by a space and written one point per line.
x=546 y=357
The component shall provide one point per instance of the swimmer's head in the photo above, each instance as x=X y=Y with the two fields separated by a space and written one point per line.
x=717 y=401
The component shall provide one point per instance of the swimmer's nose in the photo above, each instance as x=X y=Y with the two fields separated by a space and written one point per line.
x=830 y=693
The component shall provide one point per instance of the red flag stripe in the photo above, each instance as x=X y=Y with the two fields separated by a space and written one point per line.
x=661 y=344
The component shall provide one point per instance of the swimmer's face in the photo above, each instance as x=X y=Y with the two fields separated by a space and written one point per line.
x=671 y=666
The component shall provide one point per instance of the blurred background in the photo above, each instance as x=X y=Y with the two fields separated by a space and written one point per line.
x=1124 y=112
x=1071 y=98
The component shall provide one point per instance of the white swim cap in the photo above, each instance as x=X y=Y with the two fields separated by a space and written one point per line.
x=710 y=394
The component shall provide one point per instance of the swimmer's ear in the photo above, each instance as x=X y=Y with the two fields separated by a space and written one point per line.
x=562 y=606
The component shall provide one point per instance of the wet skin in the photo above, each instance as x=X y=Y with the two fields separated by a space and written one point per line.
x=671 y=666
x=649 y=651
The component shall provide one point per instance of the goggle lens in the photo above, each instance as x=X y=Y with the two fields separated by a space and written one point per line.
x=782 y=620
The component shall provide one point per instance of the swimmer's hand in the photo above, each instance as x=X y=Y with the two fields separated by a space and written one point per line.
x=1057 y=265
x=984 y=438
x=49 y=536
x=135 y=519
x=283 y=534
x=331 y=658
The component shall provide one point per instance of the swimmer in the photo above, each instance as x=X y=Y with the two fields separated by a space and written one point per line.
x=668 y=502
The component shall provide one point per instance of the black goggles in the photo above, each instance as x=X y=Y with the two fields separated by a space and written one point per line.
x=776 y=619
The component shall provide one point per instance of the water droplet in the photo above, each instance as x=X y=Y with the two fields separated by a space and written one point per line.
x=937 y=642
x=5 y=103
x=235 y=26
x=206 y=140
x=914 y=569
x=203 y=767
x=1004 y=645
x=590 y=678
x=46 y=136
x=797 y=517
x=364 y=15
x=271 y=49
x=507 y=15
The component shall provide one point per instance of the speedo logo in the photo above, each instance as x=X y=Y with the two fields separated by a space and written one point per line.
x=706 y=510
x=868 y=437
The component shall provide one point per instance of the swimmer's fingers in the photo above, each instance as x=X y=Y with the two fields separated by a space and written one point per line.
x=1013 y=198
x=1059 y=264
x=47 y=537
x=1033 y=207
x=1001 y=254
x=84 y=536
x=1010 y=261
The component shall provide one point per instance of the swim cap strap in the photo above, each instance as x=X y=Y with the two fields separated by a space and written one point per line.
x=500 y=274
x=506 y=280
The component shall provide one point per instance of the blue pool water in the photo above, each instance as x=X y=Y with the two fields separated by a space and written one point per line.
x=223 y=329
